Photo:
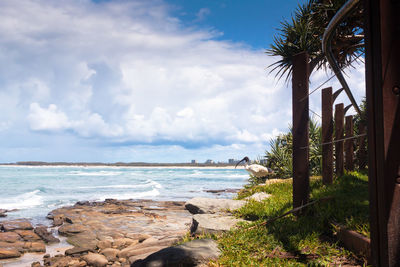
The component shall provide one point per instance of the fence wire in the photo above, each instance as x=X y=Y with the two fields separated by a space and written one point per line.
x=336 y=141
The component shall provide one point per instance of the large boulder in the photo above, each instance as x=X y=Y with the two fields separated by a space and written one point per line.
x=192 y=253
x=96 y=260
x=200 y=205
x=212 y=223
x=9 y=237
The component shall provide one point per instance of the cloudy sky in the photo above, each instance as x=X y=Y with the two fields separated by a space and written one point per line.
x=142 y=80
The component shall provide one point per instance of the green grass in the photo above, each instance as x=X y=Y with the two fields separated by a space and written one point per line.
x=298 y=241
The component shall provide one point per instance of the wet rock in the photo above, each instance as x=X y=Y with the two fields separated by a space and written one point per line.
x=212 y=223
x=103 y=244
x=260 y=196
x=7 y=253
x=3 y=213
x=16 y=225
x=9 y=237
x=201 y=205
x=96 y=260
x=46 y=236
x=192 y=253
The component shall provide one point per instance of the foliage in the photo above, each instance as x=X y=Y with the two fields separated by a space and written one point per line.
x=307 y=240
x=279 y=158
x=304 y=32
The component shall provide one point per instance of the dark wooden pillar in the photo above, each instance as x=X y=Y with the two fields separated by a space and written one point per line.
x=301 y=179
x=349 y=144
x=327 y=133
x=383 y=110
x=339 y=145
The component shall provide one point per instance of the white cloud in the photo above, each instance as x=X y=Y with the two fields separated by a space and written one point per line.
x=126 y=72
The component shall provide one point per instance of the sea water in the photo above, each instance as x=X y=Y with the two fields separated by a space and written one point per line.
x=33 y=191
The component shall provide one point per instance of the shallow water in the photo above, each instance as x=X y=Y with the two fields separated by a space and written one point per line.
x=36 y=190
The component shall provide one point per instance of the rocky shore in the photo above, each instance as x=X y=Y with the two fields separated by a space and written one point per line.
x=122 y=233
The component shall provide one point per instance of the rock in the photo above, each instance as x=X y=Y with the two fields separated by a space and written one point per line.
x=28 y=235
x=121 y=243
x=46 y=236
x=139 y=237
x=77 y=251
x=9 y=237
x=260 y=196
x=6 y=253
x=192 y=253
x=18 y=245
x=133 y=251
x=110 y=253
x=35 y=247
x=36 y=264
x=200 y=205
x=3 y=213
x=212 y=223
x=70 y=229
x=84 y=240
x=103 y=244
x=97 y=260
x=16 y=225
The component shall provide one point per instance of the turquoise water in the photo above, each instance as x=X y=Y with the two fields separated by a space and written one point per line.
x=34 y=191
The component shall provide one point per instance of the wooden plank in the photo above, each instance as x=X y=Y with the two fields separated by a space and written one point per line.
x=301 y=179
x=327 y=135
x=339 y=146
x=349 y=144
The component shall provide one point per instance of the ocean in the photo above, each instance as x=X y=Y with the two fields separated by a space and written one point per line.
x=36 y=190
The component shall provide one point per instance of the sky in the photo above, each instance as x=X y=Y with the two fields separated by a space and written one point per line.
x=144 y=80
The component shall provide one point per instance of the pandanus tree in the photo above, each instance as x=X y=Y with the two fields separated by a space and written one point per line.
x=304 y=32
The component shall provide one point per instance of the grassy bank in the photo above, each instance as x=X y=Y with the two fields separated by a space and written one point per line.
x=307 y=240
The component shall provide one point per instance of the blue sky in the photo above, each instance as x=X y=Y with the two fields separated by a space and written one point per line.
x=154 y=81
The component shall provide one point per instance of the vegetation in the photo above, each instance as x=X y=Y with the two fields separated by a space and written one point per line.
x=279 y=158
x=308 y=240
x=304 y=32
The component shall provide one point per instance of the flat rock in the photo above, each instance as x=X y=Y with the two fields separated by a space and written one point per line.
x=46 y=236
x=260 y=196
x=9 y=237
x=110 y=253
x=7 y=253
x=70 y=229
x=28 y=235
x=16 y=225
x=201 y=205
x=96 y=260
x=3 y=213
x=77 y=251
x=192 y=253
x=212 y=223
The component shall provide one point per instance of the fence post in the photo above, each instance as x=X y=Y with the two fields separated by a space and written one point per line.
x=327 y=132
x=339 y=146
x=349 y=144
x=301 y=179
x=362 y=151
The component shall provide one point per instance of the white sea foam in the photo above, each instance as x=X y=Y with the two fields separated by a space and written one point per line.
x=125 y=186
x=23 y=201
x=98 y=173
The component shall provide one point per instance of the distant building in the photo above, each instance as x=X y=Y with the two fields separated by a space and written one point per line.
x=194 y=161
x=232 y=161
x=209 y=161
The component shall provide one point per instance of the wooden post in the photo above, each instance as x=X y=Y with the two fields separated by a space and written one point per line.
x=301 y=179
x=382 y=66
x=362 y=149
x=339 y=145
x=327 y=132
x=349 y=144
